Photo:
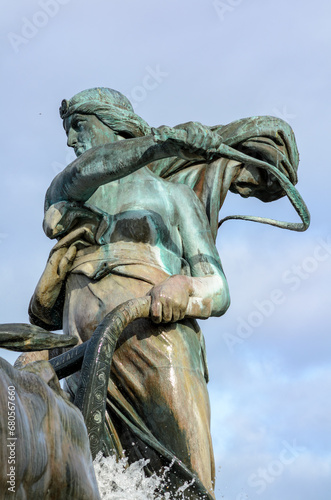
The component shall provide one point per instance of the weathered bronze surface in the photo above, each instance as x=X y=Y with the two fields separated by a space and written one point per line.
x=136 y=215
x=21 y=337
x=49 y=455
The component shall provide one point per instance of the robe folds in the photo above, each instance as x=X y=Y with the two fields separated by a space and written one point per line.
x=157 y=403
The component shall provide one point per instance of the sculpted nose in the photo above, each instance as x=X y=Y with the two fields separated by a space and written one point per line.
x=72 y=138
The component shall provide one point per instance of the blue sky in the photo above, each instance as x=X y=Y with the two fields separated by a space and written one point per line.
x=213 y=62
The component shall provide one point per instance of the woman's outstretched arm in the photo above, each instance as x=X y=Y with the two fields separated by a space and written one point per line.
x=109 y=162
x=103 y=164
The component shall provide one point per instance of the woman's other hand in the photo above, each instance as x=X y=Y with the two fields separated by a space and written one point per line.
x=170 y=299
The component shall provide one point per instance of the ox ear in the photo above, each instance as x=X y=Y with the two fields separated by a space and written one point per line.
x=45 y=371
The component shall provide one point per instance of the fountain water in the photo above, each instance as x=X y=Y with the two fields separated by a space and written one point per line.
x=129 y=482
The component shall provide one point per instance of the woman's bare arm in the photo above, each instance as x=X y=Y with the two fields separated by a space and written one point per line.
x=103 y=164
x=109 y=162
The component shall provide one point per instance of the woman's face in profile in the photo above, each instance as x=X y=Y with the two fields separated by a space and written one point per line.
x=87 y=131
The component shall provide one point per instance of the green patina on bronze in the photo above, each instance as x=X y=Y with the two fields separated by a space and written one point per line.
x=136 y=217
x=43 y=438
x=24 y=338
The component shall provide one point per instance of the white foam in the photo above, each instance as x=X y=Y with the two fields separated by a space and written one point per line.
x=117 y=480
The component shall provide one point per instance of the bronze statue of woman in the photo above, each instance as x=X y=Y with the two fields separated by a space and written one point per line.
x=137 y=214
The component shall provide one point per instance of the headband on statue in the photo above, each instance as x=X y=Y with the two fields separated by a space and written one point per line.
x=111 y=107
